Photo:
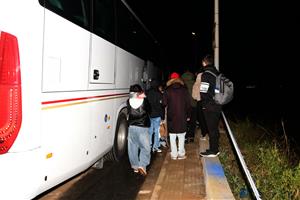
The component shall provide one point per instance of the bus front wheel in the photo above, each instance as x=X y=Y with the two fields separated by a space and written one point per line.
x=119 y=148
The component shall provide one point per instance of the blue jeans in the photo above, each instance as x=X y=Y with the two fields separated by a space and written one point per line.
x=154 y=128
x=138 y=140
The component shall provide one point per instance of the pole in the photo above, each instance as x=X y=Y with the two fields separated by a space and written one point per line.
x=216 y=34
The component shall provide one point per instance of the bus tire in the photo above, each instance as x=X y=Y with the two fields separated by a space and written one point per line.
x=119 y=148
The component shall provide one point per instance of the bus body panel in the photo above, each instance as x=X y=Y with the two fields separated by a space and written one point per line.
x=102 y=67
x=102 y=125
x=21 y=175
x=28 y=28
x=129 y=69
x=66 y=56
x=65 y=141
x=123 y=75
x=69 y=119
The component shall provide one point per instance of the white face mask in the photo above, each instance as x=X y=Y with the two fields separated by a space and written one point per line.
x=136 y=102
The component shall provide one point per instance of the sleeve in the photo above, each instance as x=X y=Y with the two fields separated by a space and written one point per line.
x=164 y=100
x=196 y=88
x=204 y=84
x=128 y=109
x=188 y=104
x=162 y=107
x=147 y=106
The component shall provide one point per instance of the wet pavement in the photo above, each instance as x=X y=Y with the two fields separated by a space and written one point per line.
x=167 y=179
x=116 y=181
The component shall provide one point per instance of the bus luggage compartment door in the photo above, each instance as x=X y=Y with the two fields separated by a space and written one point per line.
x=102 y=64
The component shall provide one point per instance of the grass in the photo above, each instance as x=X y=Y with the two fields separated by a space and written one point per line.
x=274 y=167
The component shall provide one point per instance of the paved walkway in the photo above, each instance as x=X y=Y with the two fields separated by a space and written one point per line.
x=194 y=178
x=177 y=179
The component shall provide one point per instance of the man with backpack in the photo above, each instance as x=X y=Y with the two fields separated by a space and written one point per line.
x=211 y=109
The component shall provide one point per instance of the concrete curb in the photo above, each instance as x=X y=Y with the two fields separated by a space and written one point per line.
x=216 y=183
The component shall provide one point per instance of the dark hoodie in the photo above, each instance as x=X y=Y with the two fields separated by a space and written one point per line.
x=189 y=80
x=155 y=99
x=176 y=98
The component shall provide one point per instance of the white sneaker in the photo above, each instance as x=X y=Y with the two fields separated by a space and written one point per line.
x=158 y=150
x=202 y=138
x=181 y=157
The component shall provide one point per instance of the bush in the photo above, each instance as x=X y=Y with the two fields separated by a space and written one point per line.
x=276 y=174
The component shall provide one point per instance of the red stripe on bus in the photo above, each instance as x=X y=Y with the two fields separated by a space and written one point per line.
x=81 y=98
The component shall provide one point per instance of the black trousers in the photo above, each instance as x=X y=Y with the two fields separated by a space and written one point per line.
x=212 y=119
x=201 y=119
x=191 y=125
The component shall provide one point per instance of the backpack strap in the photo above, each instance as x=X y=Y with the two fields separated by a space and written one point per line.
x=211 y=73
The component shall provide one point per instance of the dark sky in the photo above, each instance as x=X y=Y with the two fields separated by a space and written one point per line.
x=172 y=23
x=258 y=39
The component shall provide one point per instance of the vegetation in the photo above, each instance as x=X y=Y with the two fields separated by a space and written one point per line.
x=274 y=167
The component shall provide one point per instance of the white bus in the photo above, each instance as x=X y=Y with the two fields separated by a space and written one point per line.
x=65 y=71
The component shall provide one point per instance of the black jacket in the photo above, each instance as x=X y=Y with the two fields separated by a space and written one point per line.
x=155 y=99
x=207 y=97
x=139 y=116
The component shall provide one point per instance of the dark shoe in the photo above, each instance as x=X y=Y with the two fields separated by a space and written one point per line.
x=209 y=154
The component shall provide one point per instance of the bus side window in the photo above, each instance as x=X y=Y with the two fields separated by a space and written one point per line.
x=56 y=3
x=128 y=31
x=131 y=35
x=74 y=11
x=104 y=19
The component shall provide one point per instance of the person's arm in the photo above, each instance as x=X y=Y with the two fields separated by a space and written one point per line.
x=128 y=109
x=147 y=106
x=205 y=86
x=165 y=99
x=188 y=105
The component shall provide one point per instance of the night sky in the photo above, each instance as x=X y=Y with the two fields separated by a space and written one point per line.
x=259 y=50
x=259 y=41
x=172 y=24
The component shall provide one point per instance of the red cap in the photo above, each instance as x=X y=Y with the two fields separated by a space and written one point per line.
x=174 y=75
